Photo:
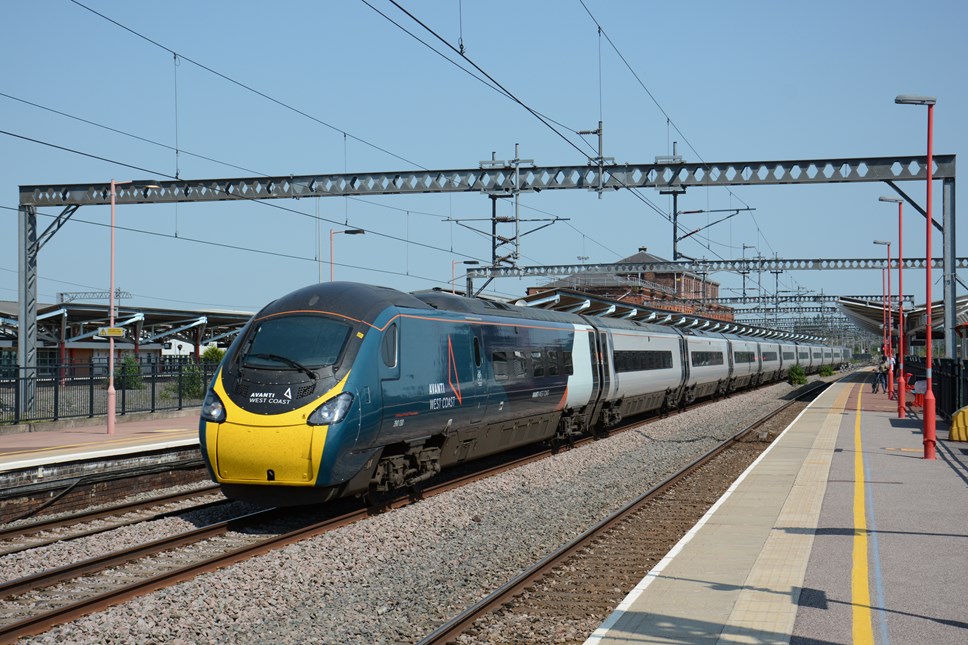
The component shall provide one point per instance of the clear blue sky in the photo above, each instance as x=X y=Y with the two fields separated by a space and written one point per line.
x=741 y=81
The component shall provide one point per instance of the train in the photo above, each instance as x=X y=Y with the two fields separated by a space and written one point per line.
x=345 y=389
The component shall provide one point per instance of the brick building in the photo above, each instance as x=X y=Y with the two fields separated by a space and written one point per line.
x=667 y=290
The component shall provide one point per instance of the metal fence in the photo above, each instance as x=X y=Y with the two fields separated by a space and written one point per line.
x=80 y=390
x=948 y=382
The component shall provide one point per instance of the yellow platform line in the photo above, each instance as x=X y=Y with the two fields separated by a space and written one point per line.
x=863 y=632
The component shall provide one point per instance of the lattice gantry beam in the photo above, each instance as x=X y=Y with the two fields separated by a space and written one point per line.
x=709 y=266
x=498 y=180
x=785 y=311
x=752 y=300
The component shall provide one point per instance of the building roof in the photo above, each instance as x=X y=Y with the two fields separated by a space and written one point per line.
x=602 y=281
x=80 y=321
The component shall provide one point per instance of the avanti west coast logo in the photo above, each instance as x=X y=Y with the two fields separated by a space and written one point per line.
x=271 y=398
x=449 y=399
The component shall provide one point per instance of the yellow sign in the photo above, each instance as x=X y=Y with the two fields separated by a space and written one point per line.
x=105 y=332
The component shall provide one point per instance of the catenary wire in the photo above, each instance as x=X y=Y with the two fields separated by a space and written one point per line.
x=237 y=167
x=248 y=87
x=220 y=245
x=542 y=118
x=637 y=194
x=216 y=161
x=668 y=118
x=497 y=86
x=240 y=197
x=470 y=73
x=489 y=77
x=129 y=134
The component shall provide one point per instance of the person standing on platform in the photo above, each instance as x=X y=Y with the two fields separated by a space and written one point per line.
x=891 y=369
x=882 y=375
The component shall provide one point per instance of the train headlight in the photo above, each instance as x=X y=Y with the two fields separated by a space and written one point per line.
x=212 y=408
x=333 y=411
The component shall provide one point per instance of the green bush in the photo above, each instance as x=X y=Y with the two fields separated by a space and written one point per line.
x=796 y=376
x=191 y=385
x=213 y=355
x=127 y=375
x=192 y=382
x=826 y=370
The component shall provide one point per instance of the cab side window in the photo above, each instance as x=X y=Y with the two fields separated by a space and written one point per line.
x=388 y=350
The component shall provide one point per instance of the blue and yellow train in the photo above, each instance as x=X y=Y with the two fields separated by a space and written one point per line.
x=348 y=389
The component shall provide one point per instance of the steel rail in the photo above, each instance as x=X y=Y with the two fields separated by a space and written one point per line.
x=99 y=563
x=78 y=518
x=109 y=527
x=449 y=631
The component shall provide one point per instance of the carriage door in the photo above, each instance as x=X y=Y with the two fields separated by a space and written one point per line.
x=390 y=389
x=477 y=383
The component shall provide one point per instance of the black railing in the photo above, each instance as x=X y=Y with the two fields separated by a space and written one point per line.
x=80 y=390
x=948 y=382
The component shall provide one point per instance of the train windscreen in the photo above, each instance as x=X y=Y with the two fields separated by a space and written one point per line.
x=309 y=341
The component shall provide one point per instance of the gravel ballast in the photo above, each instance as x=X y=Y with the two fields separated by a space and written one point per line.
x=395 y=577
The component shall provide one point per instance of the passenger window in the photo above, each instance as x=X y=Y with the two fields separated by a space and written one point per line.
x=389 y=348
x=569 y=366
x=500 y=360
x=552 y=363
x=519 y=365
x=537 y=364
x=477 y=352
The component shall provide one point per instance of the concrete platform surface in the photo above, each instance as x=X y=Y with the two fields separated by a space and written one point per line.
x=840 y=533
x=32 y=449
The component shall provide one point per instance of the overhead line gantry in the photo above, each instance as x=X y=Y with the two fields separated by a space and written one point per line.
x=676 y=175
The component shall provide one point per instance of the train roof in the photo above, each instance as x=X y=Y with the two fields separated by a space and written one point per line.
x=477 y=306
x=365 y=302
x=480 y=307
x=354 y=300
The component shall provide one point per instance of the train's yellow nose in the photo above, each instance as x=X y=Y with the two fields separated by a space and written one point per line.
x=248 y=454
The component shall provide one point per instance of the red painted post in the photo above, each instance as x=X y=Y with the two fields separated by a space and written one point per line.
x=929 y=434
x=929 y=402
x=901 y=383
x=890 y=334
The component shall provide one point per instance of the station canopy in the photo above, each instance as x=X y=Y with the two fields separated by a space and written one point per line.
x=73 y=322
x=869 y=316
x=577 y=302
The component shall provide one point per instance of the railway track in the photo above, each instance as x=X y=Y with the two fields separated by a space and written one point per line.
x=565 y=596
x=33 y=604
x=45 y=532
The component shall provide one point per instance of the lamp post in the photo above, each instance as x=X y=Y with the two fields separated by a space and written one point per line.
x=929 y=432
x=901 y=383
x=453 y=272
x=888 y=319
x=112 y=394
x=333 y=233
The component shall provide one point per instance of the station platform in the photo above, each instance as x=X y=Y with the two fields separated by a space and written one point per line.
x=840 y=533
x=89 y=440
x=70 y=465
